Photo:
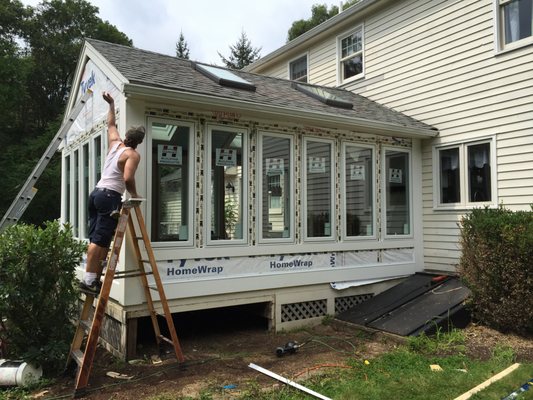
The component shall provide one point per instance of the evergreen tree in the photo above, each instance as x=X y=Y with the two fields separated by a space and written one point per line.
x=182 y=49
x=242 y=53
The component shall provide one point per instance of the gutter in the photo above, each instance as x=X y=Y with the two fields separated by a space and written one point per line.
x=317 y=30
x=274 y=112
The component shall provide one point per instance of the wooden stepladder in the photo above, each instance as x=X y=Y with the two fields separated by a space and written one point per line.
x=85 y=358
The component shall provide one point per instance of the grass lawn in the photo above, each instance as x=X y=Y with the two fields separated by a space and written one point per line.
x=406 y=374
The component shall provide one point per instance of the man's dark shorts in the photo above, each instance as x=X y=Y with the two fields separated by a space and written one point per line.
x=101 y=225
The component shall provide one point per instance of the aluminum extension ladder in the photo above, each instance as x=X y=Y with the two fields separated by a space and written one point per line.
x=27 y=192
x=91 y=331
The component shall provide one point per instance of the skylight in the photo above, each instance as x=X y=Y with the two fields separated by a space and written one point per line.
x=224 y=77
x=323 y=95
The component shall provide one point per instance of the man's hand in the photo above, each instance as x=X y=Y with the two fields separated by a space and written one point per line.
x=107 y=97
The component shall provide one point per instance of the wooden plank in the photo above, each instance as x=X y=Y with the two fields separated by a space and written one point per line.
x=488 y=382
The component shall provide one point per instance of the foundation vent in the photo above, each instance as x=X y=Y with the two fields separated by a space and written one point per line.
x=304 y=310
x=347 y=302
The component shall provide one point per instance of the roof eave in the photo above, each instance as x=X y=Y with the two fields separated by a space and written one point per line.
x=338 y=121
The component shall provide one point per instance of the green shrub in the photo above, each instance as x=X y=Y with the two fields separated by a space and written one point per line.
x=497 y=265
x=38 y=298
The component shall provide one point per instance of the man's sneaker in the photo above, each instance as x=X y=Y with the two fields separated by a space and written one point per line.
x=94 y=288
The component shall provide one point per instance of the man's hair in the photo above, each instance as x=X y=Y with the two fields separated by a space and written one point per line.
x=134 y=136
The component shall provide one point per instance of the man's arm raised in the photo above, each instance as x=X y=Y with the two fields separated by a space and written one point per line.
x=112 y=131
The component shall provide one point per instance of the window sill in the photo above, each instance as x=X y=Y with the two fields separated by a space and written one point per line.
x=350 y=80
x=519 y=44
x=463 y=207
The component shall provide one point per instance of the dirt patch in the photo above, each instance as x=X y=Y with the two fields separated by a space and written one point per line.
x=218 y=361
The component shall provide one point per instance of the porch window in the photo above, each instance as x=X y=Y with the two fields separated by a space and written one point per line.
x=298 y=69
x=351 y=55
x=68 y=201
x=465 y=174
x=171 y=181
x=397 y=192
x=76 y=191
x=276 y=187
x=358 y=190
x=85 y=190
x=318 y=174
x=227 y=188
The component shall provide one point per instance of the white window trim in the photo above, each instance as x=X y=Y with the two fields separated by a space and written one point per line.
x=192 y=179
x=345 y=237
x=338 y=40
x=208 y=194
x=333 y=217
x=84 y=214
x=259 y=216
x=306 y=54
x=66 y=198
x=499 y=37
x=463 y=178
x=384 y=173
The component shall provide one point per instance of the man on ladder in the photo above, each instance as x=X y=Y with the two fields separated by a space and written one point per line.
x=105 y=200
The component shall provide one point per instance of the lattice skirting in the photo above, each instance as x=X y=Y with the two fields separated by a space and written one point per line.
x=304 y=310
x=347 y=302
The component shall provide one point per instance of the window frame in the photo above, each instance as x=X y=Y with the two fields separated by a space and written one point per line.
x=345 y=237
x=384 y=206
x=340 y=59
x=465 y=203
x=192 y=177
x=499 y=35
x=207 y=192
x=259 y=217
x=292 y=61
x=304 y=211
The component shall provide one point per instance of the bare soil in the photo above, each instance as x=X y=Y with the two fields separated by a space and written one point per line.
x=217 y=360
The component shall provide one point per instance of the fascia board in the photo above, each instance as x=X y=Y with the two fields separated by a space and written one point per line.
x=202 y=100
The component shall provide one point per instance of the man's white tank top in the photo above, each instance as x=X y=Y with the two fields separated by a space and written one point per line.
x=112 y=177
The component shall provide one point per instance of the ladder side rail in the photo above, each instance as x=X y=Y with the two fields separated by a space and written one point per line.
x=144 y=281
x=160 y=288
x=26 y=193
x=99 y=313
x=80 y=330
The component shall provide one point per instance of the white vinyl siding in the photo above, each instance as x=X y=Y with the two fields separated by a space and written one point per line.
x=435 y=62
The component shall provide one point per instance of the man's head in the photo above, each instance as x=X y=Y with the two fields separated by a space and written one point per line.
x=134 y=137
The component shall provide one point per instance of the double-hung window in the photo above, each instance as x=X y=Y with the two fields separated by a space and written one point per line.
x=514 y=23
x=350 y=55
x=465 y=174
x=298 y=69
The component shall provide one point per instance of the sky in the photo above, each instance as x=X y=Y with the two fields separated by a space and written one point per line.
x=209 y=26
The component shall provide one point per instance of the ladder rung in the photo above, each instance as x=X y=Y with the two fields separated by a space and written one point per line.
x=130 y=274
x=77 y=355
x=166 y=339
x=85 y=324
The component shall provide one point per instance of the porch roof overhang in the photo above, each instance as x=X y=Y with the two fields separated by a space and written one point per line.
x=273 y=112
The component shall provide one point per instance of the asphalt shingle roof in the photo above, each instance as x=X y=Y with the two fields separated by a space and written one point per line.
x=157 y=70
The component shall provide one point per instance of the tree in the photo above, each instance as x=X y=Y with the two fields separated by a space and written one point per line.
x=39 y=49
x=242 y=53
x=319 y=14
x=182 y=49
